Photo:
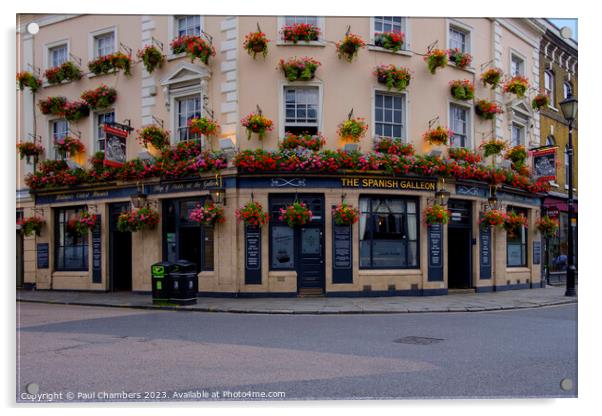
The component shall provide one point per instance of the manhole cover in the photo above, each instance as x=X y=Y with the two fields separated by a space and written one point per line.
x=418 y=340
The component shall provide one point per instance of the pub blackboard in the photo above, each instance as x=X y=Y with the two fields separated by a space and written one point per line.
x=42 y=255
x=435 y=252
x=252 y=255
x=96 y=252
x=485 y=252
x=342 y=270
x=536 y=252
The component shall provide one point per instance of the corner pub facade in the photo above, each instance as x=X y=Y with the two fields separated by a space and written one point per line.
x=389 y=251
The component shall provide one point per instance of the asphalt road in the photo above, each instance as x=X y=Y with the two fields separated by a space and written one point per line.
x=75 y=353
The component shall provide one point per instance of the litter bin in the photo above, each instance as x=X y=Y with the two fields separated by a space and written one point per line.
x=161 y=281
x=184 y=283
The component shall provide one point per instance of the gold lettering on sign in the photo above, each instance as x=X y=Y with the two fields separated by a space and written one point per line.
x=412 y=184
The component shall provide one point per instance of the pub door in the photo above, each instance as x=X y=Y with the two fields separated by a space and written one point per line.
x=459 y=245
x=120 y=251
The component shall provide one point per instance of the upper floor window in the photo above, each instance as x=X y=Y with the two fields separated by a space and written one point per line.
x=517 y=135
x=59 y=129
x=104 y=44
x=567 y=89
x=57 y=55
x=389 y=115
x=550 y=141
x=566 y=166
x=517 y=65
x=292 y=20
x=101 y=119
x=460 y=124
x=301 y=109
x=459 y=38
x=389 y=24
x=188 y=25
x=187 y=108
x=549 y=86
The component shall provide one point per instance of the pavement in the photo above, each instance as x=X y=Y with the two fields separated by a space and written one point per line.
x=455 y=302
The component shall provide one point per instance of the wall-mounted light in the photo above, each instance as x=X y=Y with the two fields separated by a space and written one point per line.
x=218 y=192
x=441 y=195
x=492 y=201
x=139 y=199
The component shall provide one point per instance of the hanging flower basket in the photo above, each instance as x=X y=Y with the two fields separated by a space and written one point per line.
x=27 y=79
x=465 y=155
x=392 y=41
x=100 y=98
x=394 y=146
x=32 y=225
x=76 y=110
x=437 y=58
x=252 y=214
x=152 y=58
x=352 y=129
x=141 y=219
x=203 y=125
x=462 y=89
x=258 y=124
x=349 y=47
x=438 y=136
x=82 y=224
x=547 y=226
x=195 y=47
x=540 y=101
x=344 y=214
x=307 y=141
x=111 y=64
x=492 y=218
x=436 y=214
x=296 y=214
x=299 y=69
x=461 y=59
x=487 y=109
x=513 y=222
x=491 y=77
x=68 y=145
x=67 y=71
x=153 y=135
x=517 y=85
x=256 y=42
x=517 y=155
x=300 y=32
x=53 y=105
x=393 y=77
x=30 y=150
x=493 y=147
x=209 y=214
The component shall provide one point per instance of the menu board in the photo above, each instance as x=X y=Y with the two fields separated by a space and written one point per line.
x=42 y=255
x=342 y=270
x=485 y=252
x=96 y=252
x=252 y=255
x=536 y=252
x=435 y=252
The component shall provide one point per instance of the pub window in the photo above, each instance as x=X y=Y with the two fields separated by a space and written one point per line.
x=516 y=244
x=389 y=24
x=188 y=25
x=71 y=249
x=104 y=44
x=59 y=129
x=459 y=38
x=187 y=108
x=101 y=119
x=517 y=134
x=57 y=55
x=389 y=115
x=566 y=166
x=567 y=89
x=517 y=65
x=388 y=233
x=549 y=87
x=460 y=125
x=301 y=110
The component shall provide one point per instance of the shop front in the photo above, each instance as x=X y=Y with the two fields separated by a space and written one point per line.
x=556 y=207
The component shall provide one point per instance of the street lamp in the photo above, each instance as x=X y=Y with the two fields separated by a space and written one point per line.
x=569 y=111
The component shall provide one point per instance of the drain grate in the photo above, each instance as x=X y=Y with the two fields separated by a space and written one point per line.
x=418 y=340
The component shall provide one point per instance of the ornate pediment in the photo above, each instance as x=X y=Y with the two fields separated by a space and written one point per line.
x=186 y=73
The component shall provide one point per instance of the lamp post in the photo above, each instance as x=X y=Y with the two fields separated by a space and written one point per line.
x=569 y=111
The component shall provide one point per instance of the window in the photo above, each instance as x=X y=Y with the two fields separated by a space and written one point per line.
x=549 y=86
x=291 y=20
x=388 y=233
x=458 y=38
x=104 y=44
x=517 y=65
x=517 y=134
x=389 y=24
x=301 y=109
x=102 y=118
x=460 y=125
x=58 y=129
x=550 y=141
x=567 y=89
x=389 y=115
x=516 y=243
x=187 y=108
x=71 y=249
x=57 y=55
x=188 y=25
x=566 y=166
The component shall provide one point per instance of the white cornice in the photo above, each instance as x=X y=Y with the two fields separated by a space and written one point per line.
x=47 y=20
x=531 y=40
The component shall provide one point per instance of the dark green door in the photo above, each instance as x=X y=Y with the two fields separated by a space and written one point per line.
x=311 y=257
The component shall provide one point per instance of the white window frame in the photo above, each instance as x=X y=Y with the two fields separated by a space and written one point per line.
x=282 y=102
x=94 y=145
x=406 y=43
x=566 y=166
x=172 y=25
x=564 y=87
x=551 y=92
x=321 y=25
x=51 y=150
x=52 y=45
x=176 y=98
x=405 y=118
x=470 y=121
x=516 y=54
x=92 y=40
x=459 y=27
x=523 y=136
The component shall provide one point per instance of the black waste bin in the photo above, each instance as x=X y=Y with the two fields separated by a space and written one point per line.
x=161 y=281
x=184 y=283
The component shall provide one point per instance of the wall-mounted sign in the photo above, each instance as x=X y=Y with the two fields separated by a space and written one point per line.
x=342 y=241
x=536 y=252
x=42 y=255
x=544 y=164
x=485 y=252
x=115 y=146
x=97 y=252
x=252 y=255
x=435 y=252
x=384 y=183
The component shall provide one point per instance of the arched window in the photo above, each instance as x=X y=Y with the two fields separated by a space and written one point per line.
x=566 y=165
x=567 y=89
x=550 y=141
x=549 y=87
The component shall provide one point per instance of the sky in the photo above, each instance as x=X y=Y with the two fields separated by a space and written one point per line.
x=572 y=23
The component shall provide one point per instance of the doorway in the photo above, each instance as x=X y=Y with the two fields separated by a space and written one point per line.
x=459 y=245
x=120 y=251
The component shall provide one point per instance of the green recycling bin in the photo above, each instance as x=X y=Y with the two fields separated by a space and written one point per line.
x=161 y=281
